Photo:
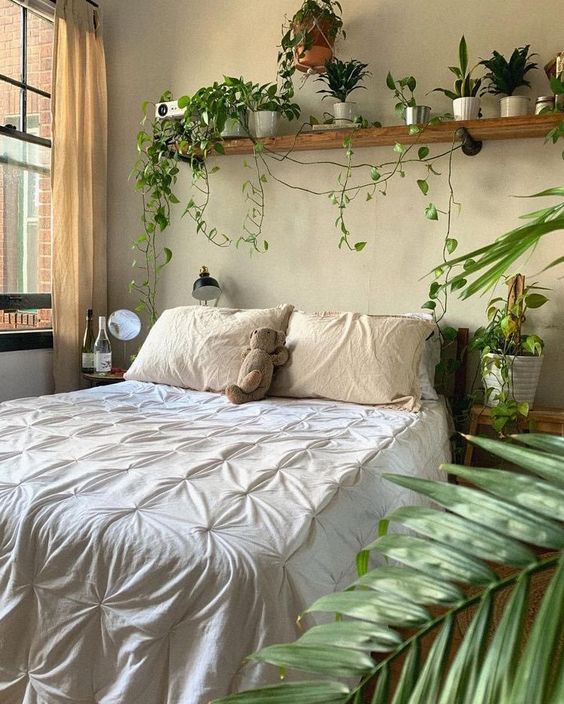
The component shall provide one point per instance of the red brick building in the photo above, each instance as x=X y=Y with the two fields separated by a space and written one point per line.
x=25 y=194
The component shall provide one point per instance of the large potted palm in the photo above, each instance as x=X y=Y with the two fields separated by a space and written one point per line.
x=481 y=567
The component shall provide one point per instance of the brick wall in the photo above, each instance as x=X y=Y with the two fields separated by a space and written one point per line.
x=12 y=211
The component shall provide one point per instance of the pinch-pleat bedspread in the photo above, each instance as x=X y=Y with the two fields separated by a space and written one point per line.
x=152 y=537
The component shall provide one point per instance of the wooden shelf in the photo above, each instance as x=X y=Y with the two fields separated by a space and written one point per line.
x=530 y=126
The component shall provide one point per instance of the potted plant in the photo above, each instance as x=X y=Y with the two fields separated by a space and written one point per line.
x=311 y=35
x=341 y=78
x=406 y=107
x=221 y=108
x=464 y=96
x=264 y=106
x=510 y=362
x=504 y=77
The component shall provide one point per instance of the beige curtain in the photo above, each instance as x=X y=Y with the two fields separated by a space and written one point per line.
x=78 y=176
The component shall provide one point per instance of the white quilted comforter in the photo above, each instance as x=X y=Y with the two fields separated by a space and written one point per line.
x=151 y=537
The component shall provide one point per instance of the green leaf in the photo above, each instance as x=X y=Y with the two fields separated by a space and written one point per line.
x=535 y=300
x=431 y=212
x=470 y=537
x=451 y=245
x=352 y=634
x=529 y=492
x=412 y=584
x=504 y=517
x=371 y=606
x=423 y=152
x=292 y=693
x=414 y=129
x=429 y=305
x=460 y=683
x=544 y=465
x=423 y=186
x=553 y=444
x=359 y=246
x=434 y=559
x=429 y=681
x=329 y=660
x=501 y=659
x=374 y=174
x=533 y=675
x=399 y=148
x=409 y=674
x=390 y=82
x=463 y=56
x=259 y=148
x=219 y=148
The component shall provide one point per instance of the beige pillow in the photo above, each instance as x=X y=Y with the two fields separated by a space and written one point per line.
x=352 y=357
x=199 y=347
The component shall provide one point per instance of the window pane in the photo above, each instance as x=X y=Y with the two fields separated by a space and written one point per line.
x=10 y=105
x=10 y=46
x=38 y=115
x=39 y=52
x=25 y=227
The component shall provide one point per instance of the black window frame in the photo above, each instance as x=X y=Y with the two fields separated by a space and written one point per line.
x=14 y=340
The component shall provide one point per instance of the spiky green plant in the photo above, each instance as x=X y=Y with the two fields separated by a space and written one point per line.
x=342 y=78
x=447 y=571
x=504 y=77
x=464 y=86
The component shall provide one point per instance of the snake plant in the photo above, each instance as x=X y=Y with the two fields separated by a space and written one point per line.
x=505 y=518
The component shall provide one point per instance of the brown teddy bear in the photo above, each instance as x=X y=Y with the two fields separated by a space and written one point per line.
x=265 y=352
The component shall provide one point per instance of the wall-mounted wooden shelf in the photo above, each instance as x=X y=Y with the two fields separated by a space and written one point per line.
x=530 y=126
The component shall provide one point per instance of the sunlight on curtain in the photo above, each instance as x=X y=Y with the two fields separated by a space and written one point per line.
x=79 y=169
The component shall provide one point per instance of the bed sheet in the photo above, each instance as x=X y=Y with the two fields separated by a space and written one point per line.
x=152 y=537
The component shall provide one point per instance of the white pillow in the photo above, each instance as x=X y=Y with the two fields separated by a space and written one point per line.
x=364 y=359
x=430 y=358
x=199 y=347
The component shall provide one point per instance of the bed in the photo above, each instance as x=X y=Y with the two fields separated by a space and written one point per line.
x=152 y=537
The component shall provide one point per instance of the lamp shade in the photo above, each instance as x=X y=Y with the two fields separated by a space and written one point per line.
x=205 y=287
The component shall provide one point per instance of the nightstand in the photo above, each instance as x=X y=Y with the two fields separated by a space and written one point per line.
x=103 y=379
x=539 y=420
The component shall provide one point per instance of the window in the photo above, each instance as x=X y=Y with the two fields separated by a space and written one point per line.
x=26 y=55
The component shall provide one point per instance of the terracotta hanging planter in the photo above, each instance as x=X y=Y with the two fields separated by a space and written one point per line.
x=321 y=50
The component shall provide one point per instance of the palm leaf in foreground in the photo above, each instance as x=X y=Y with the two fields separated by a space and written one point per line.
x=450 y=569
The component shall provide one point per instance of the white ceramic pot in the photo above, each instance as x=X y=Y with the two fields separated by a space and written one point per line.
x=344 y=114
x=265 y=123
x=514 y=105
x=233 y=128
x=466 y=108
x=419 y=115
x=524 y=374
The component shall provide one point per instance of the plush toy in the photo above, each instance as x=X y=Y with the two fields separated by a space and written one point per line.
x=265 y=352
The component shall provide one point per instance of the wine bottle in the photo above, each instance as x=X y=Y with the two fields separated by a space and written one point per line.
x=88 y=366
x=102 y=349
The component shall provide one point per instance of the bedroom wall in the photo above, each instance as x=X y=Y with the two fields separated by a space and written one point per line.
x=26 y=373
x=157 y=44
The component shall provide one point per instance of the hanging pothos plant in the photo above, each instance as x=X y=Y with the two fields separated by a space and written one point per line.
x=318 y=23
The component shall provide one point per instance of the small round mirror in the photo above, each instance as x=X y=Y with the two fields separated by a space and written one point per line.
x=124 y=324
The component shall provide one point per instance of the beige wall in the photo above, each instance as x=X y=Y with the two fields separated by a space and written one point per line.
x=157 y=44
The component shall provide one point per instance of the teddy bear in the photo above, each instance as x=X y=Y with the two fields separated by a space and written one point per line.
x=266 y=350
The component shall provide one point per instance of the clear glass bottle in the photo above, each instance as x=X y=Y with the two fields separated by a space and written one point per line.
x=87 y=365
x=102 y=349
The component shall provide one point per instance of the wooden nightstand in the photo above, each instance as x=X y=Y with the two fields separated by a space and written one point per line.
x=539 y=420
x=103 y=379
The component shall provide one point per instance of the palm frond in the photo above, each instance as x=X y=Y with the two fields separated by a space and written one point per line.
x=449 y=567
